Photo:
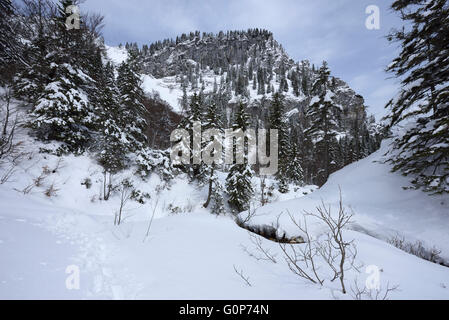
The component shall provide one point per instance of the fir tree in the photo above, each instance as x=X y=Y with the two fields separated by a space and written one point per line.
x=112 y=149
x=194 y=114
x=323 y=115
x=131 y=98
x=294 y=169
x=423 y=67
x=212 y=121
x=8 y=41
x=238 y=181
x=277 y=121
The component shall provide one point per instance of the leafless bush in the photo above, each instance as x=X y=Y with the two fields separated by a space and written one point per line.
x=6 y=175
x=263 y=253
x=417 y=249
x=125 y=190
x=51 y=191
x=243 y=218
x=358 y=293
x=151 y=218
x=242 y=276
x=329 y=250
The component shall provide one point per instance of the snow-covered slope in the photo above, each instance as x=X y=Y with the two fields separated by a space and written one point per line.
x=381 y=206
x=192 y=254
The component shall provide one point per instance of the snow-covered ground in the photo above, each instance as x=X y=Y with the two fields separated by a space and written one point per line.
x=381 y=206
x=192 y=254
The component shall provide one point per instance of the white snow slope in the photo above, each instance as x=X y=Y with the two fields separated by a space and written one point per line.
x=381 y=206
x=192 y=254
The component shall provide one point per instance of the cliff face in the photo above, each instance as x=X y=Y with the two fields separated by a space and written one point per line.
x=249 y=66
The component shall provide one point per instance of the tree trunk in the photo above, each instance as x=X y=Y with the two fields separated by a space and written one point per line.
x=209 y=196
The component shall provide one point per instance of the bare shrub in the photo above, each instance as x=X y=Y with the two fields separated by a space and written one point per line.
x=242 y=276
x=125 y=190
x=417 y=249
x=329 y=250
x=263 y=253
x=51 y=191
x=151 y=218
x=364 y=293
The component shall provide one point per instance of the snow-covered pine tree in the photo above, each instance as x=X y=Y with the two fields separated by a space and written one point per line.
x=217 y=198
x=111 y=144
x=294 y=169
x=277 y=121
x=423 y=67
x=212 y=121
x=63 y=112
x=323 y=114
x=134 y=113
x=193 y=114
x=131 y=97
x=238 y=182
x=7 y=37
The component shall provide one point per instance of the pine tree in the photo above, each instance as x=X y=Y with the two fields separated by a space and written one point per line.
x=131 y=98
x=277 y=121
x=423 y=67
x=112 y=149
x=63 y=112
x=238 y=182
x=8 y=41
x=294 y=169
x=194 y=114
x=211 y=121
x=217 y=198
x=323 y=114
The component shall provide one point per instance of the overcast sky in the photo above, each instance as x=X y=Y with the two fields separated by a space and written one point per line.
x=331 y=30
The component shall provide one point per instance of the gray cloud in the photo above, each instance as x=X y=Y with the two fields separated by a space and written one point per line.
x=315 y=30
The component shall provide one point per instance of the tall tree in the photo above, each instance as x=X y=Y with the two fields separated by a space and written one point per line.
x=8 y=41
x=323 y=114
x=238 y=182
x=423 y=67
x=131 y=97
x=277 y=121
x=212 y=121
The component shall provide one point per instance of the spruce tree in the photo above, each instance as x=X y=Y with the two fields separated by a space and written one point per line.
x=323 y=114
x=212 y=121
x=422 y=149
x=8 y=41
x=238 y=182
x=63 y=112
x=131 y=98
x=277 y=121
x=112 y=151
x=294 y=169
x=194 y=114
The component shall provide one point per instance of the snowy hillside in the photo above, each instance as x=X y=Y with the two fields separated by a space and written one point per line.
x=214 y=166
x=382 y=208
x=188 y=253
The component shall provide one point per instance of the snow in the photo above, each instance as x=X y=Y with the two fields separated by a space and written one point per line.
x=116 y=55
x=165 y=88
x=381 y=206
x=190 y=253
